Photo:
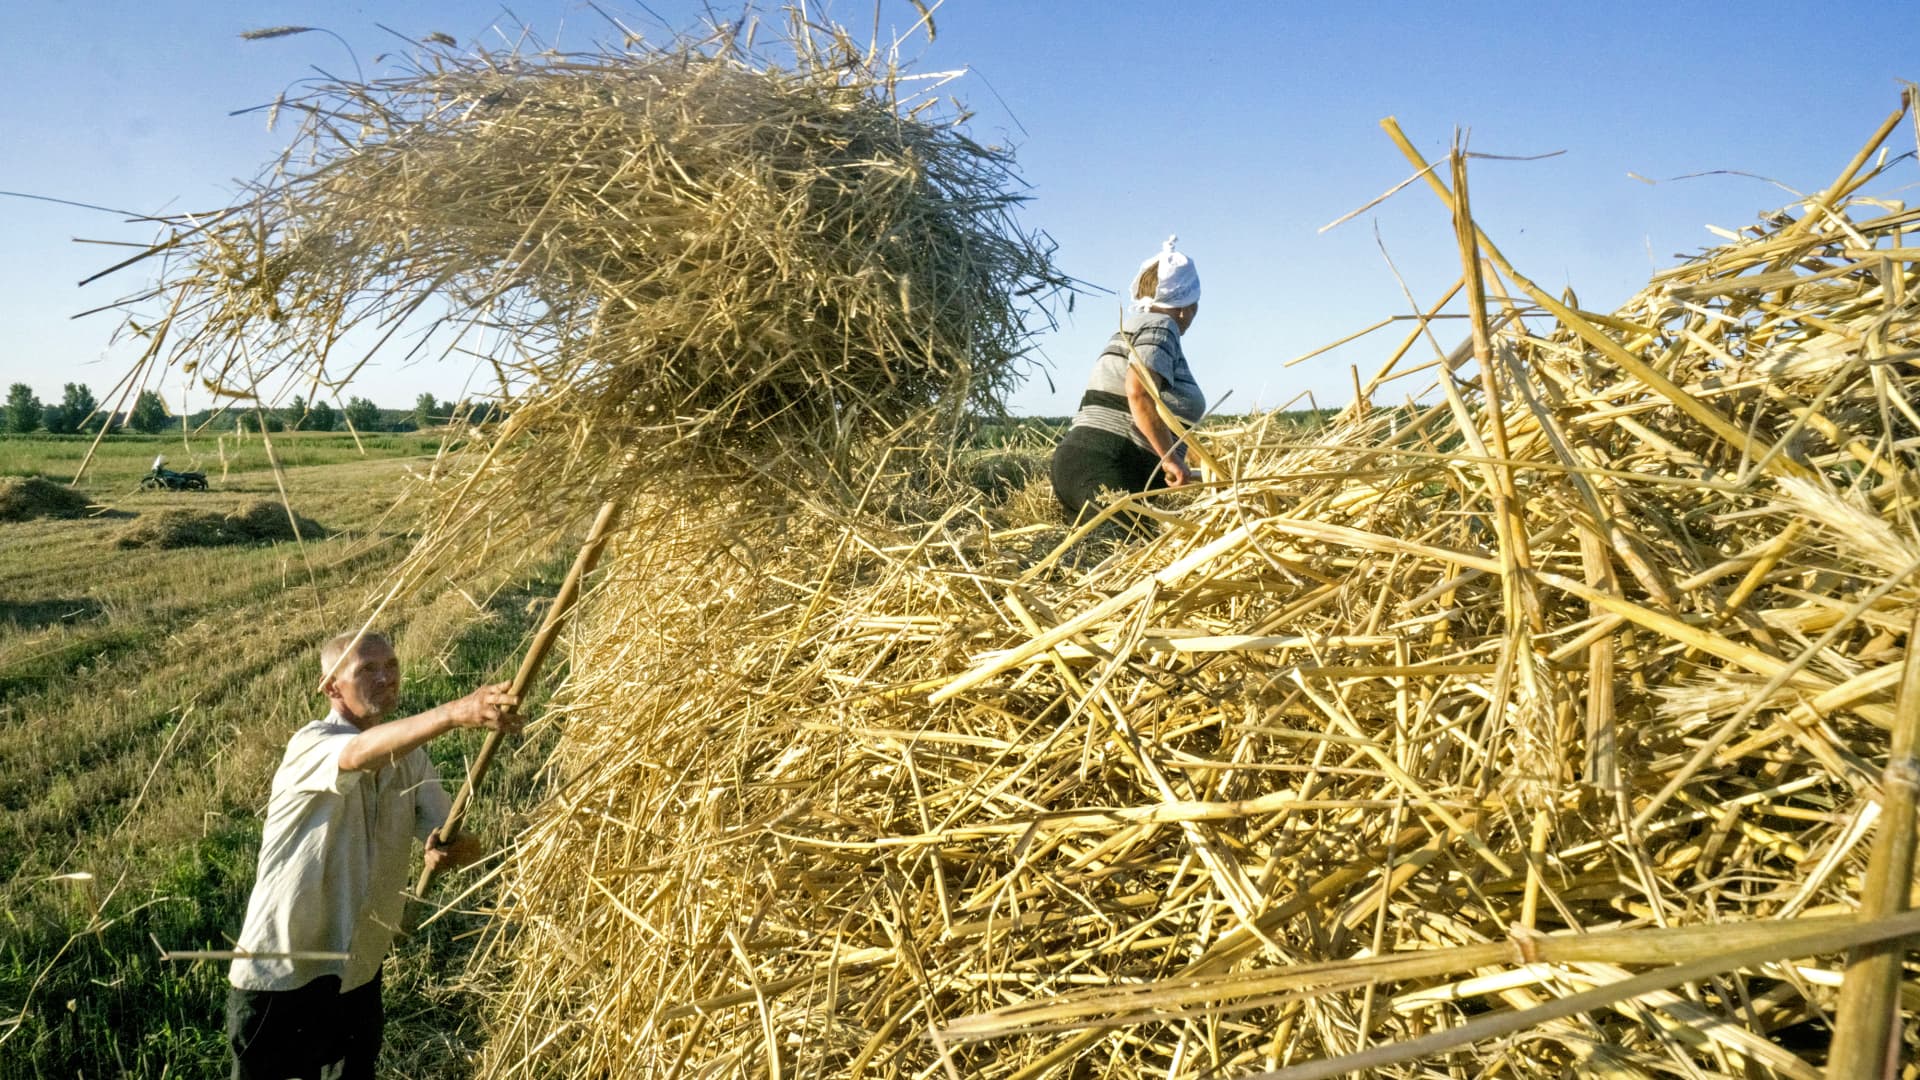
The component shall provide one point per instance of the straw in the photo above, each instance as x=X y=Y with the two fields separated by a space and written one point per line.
x=879 y=791
x=1866 y=1024
x=724 y=261
x=1397 y=747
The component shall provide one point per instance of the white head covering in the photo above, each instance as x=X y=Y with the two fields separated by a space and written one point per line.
x=1179 y=283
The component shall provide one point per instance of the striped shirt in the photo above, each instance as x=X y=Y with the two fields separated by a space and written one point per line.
x=1156 y=339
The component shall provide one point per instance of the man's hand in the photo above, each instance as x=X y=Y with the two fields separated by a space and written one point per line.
x=489 y=707
x=463 y=849
x=1175 y=472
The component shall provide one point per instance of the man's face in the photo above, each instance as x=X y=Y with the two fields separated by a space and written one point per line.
x=367 y=686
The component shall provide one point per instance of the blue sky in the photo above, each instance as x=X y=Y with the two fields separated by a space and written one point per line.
x=1243 y=127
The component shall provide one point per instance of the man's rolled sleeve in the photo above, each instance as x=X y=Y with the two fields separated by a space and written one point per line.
x=313 y=762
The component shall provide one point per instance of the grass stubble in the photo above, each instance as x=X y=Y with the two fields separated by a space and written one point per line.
x=145 y=697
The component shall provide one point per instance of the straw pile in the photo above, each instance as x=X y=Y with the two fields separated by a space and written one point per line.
x=1538 y=731
x=672 y=259
x=259 y=521
x=23 y=498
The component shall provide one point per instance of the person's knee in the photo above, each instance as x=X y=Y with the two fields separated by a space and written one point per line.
x=1079 y=487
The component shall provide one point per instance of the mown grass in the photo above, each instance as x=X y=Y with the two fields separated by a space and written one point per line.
x=122 y=459
x=145 y=698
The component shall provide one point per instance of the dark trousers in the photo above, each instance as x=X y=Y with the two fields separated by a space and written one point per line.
x=314 y=1032
x=1089 y=460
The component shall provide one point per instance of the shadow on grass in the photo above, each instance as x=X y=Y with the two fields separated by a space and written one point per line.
x=92 y=648
x=35 y=614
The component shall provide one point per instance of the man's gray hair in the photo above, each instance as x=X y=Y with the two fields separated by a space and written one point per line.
x=335 y=647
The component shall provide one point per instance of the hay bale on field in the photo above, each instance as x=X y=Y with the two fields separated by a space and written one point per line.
x=1569 y=691
x=259 y=521
x=174 y=529
x=24 y=498
x=267 y=521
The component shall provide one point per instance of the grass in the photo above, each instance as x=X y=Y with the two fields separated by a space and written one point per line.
x=145 y=698
x=227 y=458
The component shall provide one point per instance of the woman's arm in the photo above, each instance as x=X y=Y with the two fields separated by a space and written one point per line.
x=1147 y=419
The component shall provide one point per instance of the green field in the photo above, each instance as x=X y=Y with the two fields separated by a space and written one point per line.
x=145 y=698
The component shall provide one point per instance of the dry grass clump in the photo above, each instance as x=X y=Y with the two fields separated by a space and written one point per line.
x=1538 y=731
x=671 y=259
x=259 y=521
x=23 y=498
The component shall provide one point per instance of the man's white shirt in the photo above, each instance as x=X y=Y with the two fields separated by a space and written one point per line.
x=334 y=857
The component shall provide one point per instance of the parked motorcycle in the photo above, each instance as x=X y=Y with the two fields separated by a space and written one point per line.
x=165 y=479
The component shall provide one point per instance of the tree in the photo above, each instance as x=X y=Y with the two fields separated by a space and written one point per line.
x=427 y=413
x=267 y=421
x=75 y=409
x=78 y=401
x=149 y=415
x=479 y=412
x=23 y=409
x=320 y=417
x=296 y=413
x=364 y=415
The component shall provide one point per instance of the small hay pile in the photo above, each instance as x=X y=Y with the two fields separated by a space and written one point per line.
x=1536 y=732
x=259 y=521
x=23 y=498
x=673 y=260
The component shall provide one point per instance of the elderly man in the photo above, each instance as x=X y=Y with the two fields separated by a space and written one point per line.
x=352 y=793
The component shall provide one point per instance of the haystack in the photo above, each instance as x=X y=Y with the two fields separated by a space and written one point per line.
x=678 y=263
x=23 y=498
x=1560 y=726
x=259 y=521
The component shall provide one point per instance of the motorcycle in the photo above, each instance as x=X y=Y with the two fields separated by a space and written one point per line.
x=165 y=479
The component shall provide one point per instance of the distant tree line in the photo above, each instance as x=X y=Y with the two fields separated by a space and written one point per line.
x=360 y=414
x=78 y=412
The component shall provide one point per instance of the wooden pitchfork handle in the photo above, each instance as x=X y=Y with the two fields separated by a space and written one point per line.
x=529 y=670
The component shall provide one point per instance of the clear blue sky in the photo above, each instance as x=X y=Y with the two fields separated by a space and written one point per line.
x=1243 y=127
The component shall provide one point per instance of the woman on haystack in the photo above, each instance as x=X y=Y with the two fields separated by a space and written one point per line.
x=1117 y=441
